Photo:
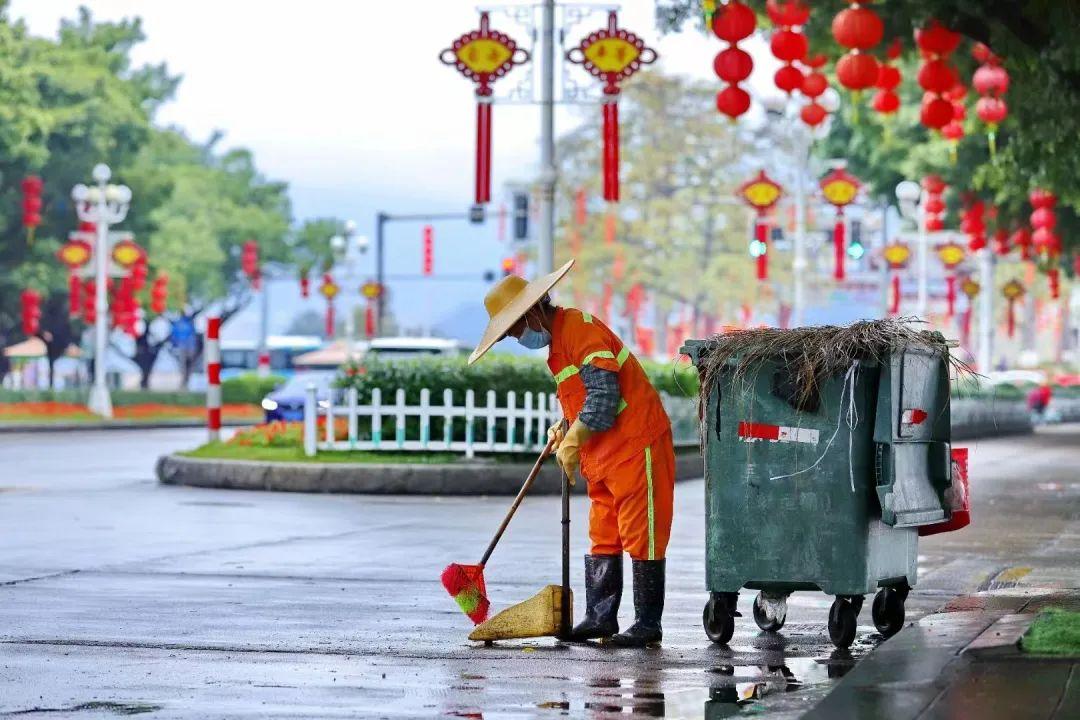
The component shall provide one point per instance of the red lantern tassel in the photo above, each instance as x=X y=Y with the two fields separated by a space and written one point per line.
x=761 y=231
x=74 y=294
x=1012 y=318
x=611 y=150
x=329 y=320
x=839 y=248
x=894 y=307
x=483 y=149
x=369 y=321
x=950 y=295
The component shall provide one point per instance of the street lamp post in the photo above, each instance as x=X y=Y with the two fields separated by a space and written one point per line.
x=910 y=196
x=103 y=205
x=343 y=250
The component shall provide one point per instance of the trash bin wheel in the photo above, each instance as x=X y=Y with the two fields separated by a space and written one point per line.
x=888 y=611
x=844 y=620
x=779 y=612
x=718 y=622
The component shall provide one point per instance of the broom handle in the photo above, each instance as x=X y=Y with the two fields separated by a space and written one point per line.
x=565 y=616
x=517 y=501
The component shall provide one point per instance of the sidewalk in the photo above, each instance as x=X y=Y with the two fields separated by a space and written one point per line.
x=964 y=662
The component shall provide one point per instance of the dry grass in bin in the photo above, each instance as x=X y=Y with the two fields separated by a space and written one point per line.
x=813 y=354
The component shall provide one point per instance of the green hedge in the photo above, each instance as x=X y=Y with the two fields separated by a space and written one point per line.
x=248 y=388
x=120 y=398
x=966 y=389
x=501 y=373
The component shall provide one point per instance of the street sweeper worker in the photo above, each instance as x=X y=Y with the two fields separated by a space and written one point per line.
x=619 y=436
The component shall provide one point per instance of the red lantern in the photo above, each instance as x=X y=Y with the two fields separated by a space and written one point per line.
x=733 y=101
x=857 y=71
x=813 y=114
x=814 y=84
x=936 y=113
x=1001 y=242
x=990 y=80
x=733 y=23
x=888 y=77
x=159 y=293
x=31 y=312
x=789 y=46
x=885 y=102
x=981 y=53
x=733 y=65
x=1040 y=198
x=857 y=27
x=612 y=54
x=787 y=13
x=934 y=224
x=934 y=184
x=936 y=39
x=32 y=187
x=1021 y=238
x=991 y=110
x=788 y=78
x=936 y=76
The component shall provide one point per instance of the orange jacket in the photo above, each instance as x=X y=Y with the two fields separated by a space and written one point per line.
x=579 y=339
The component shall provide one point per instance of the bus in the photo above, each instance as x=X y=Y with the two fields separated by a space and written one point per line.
x=242 y=356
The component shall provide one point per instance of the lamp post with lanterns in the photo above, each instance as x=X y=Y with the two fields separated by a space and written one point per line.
x=102 y=204
x=909 y=194
x=346 y=248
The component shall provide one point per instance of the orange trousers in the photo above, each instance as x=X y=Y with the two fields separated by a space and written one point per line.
x=632 y=503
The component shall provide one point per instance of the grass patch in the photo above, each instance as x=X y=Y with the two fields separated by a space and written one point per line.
x=226 y=451
x=1054 y=632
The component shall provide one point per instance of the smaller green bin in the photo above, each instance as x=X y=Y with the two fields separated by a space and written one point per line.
x=792 y=497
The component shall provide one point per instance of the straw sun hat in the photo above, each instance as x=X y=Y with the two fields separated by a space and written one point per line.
x=509 y=300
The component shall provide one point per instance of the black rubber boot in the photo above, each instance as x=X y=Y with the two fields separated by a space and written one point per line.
x=603 y=591
x=648 y=606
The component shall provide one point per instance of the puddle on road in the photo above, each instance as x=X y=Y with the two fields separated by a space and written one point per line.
x=114 y=707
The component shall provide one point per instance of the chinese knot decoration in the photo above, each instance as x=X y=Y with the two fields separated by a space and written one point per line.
x=1046 y=242
x=1013 y=291
x=858 y=29
x=788 y=44
x=371 y=291
x=839 y=188
x=936 y=75
x=896 y=257
x=991 y=81
x=329 y=290
x=951 y=255
x=761 y=193
x=885 y=100
x=612 y=55
x=484 y=56
x=814 y=85
x=933 y=205
x=732 y=23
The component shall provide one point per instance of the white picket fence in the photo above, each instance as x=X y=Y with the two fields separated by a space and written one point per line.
x=512 y=426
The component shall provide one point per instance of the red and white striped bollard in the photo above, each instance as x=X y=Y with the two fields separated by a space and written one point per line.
x=212 y=351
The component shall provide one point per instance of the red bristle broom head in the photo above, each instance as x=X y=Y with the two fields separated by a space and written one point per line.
x=465 y=583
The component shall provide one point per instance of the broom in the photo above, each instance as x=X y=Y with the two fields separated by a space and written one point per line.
x=465 y=583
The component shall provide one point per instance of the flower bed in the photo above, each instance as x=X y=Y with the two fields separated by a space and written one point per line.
x=55 y=411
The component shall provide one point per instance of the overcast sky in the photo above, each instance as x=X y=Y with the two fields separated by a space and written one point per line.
x=348 y=103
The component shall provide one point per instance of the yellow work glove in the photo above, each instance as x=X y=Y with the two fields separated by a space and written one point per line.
x=569 y=453
x=556 y=432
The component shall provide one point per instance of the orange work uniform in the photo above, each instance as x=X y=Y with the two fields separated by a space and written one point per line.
x=629 y=468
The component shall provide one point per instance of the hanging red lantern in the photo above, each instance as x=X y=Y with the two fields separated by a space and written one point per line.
x=991 y=81
x=32 y=187
x=1013 y=291
x=733 y=23
x=813 y=114
x=733 y=64
x=857 y=27
x=935 y=39
x=885 y=100
x=991 y=110
x=613 y=54
x=814 y=84
x=733 y=101
x=761 y=193
x=1001 y=242
x=789 y=46
x=787 y=12
x=972 y=223
x=788 y=78
x=839 y=188
x=937 y=76
x=857 y=71
x=936 y=112
x=74 y=294
x=483 y=56
x=1046 y=243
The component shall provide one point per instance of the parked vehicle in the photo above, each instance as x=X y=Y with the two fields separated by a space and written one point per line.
x=333 y=355
x=240 y=356
x=287 y=402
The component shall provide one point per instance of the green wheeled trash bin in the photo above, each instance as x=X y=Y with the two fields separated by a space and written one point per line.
x=822 y=490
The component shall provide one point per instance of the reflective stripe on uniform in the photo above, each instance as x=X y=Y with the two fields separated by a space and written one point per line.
x=598 y=354
x=565 y=374
x=622 y=406
x=623 y=354
x=652 y=511
x=586 y=317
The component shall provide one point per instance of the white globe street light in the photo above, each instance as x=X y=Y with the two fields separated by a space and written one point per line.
x=909 y=196
x=103 y=205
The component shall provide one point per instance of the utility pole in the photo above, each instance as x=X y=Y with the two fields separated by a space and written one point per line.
x=548 y=174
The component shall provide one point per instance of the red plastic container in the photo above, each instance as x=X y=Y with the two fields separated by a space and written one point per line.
x=958 y=497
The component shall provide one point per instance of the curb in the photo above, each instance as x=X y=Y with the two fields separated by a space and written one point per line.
x=117 y=425
x=465 y=478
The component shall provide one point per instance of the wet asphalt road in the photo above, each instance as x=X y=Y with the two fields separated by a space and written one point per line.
x=118 y=596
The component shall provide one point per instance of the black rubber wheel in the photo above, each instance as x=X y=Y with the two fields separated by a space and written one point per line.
x=888 y=612
x=767 y=624
x=719 y=625
x=843 y=621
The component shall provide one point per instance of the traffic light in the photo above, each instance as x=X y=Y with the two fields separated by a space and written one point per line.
x=31 y=204
x=428 y=263
x=249 y=261
x=159 y=293
x=31 y=312
x=521 y=216
x=509 y=266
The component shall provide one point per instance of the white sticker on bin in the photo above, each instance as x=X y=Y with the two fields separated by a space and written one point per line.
x=913 y=416
x=750 y=432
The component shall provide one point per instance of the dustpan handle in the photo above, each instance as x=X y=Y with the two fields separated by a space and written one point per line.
x=565 y=615
x=517 y=501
